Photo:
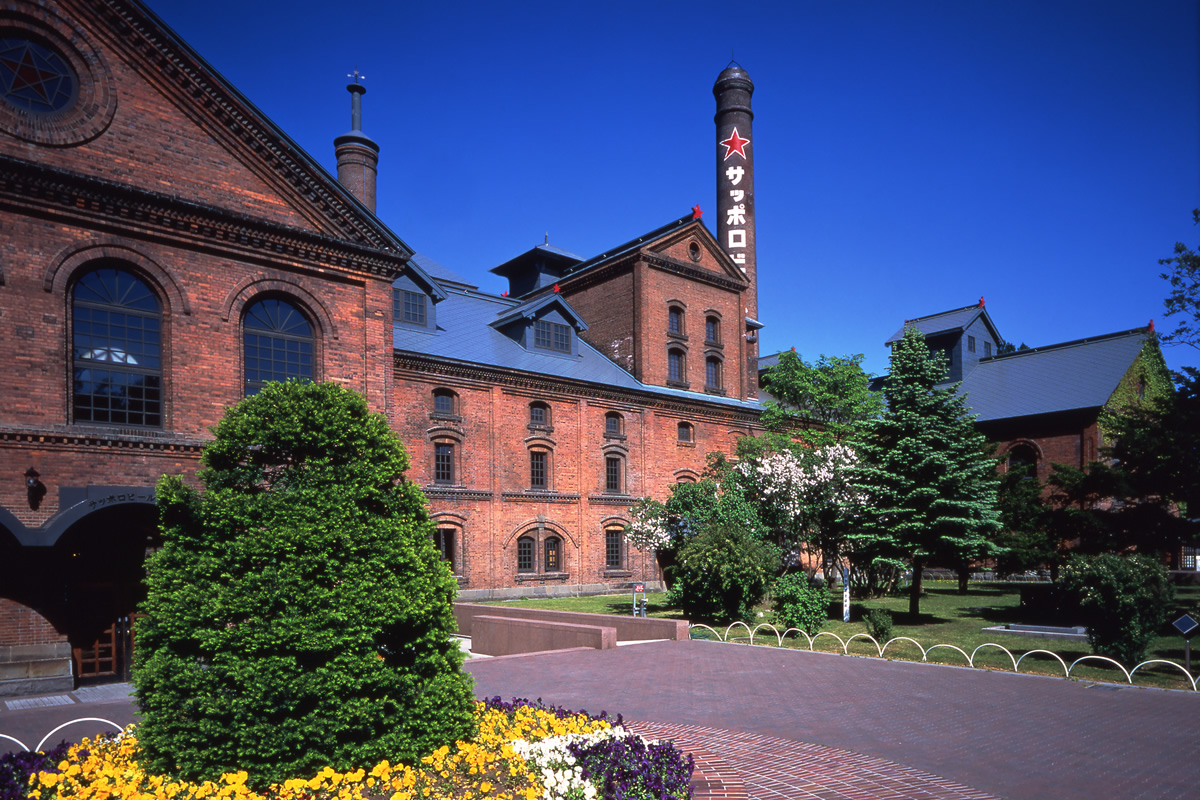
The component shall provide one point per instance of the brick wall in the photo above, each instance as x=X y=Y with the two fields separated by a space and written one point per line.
x=490 y=505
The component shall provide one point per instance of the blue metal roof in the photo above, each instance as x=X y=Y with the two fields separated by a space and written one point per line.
x=440 y=272
x=956 y=320
x=465 y=334
x=1082 y=374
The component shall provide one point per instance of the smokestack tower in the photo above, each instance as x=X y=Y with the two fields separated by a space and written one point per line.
x=357 y=154
x=735 y=197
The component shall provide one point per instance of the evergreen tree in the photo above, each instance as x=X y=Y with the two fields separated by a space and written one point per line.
x=298 y=612
x=928 y=481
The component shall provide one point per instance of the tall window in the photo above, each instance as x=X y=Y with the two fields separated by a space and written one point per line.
x=970 y=344
x=409 y=306
x=537 y=469
x=552 y=336
x=443 y=538
x=675 y=320
x=712 y=330
x=987 y=349
x=712 y=373
x=675 y=366
x=116 y=332
x=613 y=538
x=443 y=463
x=612 y=474
x=525 y=554
x=278 y=344
x=553 y=562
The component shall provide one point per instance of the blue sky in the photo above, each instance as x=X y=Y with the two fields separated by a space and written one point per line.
x=909 y=156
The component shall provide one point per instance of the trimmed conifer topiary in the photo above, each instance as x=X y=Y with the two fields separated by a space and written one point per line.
x=298 y=613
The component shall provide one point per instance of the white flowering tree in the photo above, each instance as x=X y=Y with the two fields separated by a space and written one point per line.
x=806 y=496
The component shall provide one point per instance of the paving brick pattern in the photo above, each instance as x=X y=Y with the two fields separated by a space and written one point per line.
x=1012 y=736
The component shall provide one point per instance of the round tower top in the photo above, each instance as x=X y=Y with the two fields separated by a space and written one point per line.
x=733 y=77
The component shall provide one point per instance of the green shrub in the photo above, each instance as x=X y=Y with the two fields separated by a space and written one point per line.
x=800 y=604
x=298 y=614
x=879 y=624
x=722 y=572
x=1123 y=601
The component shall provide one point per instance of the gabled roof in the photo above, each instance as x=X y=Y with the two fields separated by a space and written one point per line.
x=531 y=309
x=424 y=279
x=439 y=272
x=246 y=130
x=1077 y=375
x=466 y=336
x=947 y=322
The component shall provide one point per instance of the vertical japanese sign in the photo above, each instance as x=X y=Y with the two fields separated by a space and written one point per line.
x=734 y=195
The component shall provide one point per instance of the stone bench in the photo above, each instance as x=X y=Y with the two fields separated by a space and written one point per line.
x=629 y=629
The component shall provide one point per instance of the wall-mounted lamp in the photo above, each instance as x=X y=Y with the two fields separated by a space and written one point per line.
x=35 y=490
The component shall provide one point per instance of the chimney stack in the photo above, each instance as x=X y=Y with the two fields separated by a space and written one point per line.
x=735 y=197
x=357 y=154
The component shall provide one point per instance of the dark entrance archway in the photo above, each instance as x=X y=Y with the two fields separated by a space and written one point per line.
x=101 y=560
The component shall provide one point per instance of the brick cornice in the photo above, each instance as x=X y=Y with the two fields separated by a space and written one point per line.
x=420 y=367
x=230 y=118
x=694 y=274
x=123 y=439
x=104 y=205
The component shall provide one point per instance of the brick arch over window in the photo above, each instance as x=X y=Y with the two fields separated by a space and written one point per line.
x=1024 y=448
x=251 y=288
x=551 y=527
x=62 y=270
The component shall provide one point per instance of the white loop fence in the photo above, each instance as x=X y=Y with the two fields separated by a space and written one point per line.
x=26 y=748
x=1194 y=682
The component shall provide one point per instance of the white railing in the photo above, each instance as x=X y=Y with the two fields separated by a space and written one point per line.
x=970 y=659
x=26 y=748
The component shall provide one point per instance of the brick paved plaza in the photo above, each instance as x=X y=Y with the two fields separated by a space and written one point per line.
x=768 y=724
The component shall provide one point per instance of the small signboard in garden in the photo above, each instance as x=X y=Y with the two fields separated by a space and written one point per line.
x=639 y=610
x=1187 y=626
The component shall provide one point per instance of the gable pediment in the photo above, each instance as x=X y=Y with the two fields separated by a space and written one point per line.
x=172 y=126
x=693 y=250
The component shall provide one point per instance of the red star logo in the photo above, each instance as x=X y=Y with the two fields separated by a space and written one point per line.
x=735 y=144
x=696 y=212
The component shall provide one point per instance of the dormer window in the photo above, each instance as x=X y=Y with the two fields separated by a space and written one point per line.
x=552 y=336
x=409 y=306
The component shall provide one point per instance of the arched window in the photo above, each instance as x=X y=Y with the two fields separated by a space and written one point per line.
x=539 y=415
x=553 y=560
x=712 y=373
x=116 y=328
x=614 y=424
x=1024 y=459
x=278 y=344
x=614 y=548
x=614 y=474
x=676 y=366
x=685 y=433
x=675 y=321
x=445 y=403
x=525 y=562
x=712 y=330
x=444 y=540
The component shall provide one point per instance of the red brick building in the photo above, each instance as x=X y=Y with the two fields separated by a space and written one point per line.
x=167 y=249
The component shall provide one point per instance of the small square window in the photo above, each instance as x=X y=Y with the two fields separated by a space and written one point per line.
x=537 y=414
x=443 y=402
x=612 y=424
x=552 y=336
x=685 y=432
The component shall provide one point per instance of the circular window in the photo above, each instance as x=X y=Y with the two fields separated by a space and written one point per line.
x=54 y=89
x=694 y=251
x=34 y=78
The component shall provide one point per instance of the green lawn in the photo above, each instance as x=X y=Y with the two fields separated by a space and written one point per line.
x=946 y=618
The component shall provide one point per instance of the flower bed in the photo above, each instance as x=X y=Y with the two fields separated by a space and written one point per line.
x=524 y=751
